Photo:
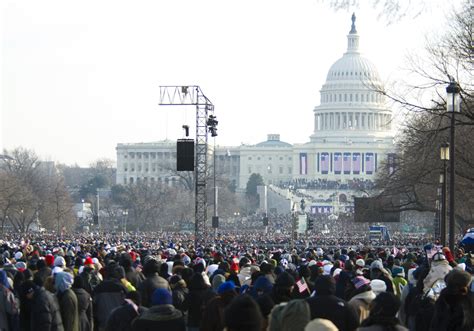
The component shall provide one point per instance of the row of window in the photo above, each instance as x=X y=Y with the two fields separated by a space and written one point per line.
x=149 y=155
x=131 y=180
x=269 y=158
x=369 y=97
x=349 y=73
x=139 y=168
x=269 y=170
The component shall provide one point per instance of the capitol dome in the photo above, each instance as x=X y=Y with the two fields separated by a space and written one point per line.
x=353 y=67
x=351 y=100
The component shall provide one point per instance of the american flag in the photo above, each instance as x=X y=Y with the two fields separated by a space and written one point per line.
x=346 y=163
x=337 y=163
x=395 y=250
x=303 y=164
x=356 y=163
x=324 y=163
x=302 y=285
x=369 y=163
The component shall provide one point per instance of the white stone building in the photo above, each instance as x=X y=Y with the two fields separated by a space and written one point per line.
x=352 y=137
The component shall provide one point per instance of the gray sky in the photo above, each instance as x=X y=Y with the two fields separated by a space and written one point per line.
x=78 y=77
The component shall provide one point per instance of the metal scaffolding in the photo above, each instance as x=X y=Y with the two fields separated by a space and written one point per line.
x=192 y=96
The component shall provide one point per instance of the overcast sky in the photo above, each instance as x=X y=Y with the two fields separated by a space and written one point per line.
x=78 y=77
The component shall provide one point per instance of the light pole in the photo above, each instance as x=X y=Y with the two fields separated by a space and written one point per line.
x=215 y=218
x=22 y=218
x=444 y=155
x=125 y=216
x=453 y=105
x=98 y=210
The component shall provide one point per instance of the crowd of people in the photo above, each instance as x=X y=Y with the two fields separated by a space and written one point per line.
x=161 y=281
x=324 y=184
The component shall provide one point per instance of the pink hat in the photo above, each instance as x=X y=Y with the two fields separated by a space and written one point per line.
x=360 y=281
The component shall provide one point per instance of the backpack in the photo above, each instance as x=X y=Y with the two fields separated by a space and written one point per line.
x=435 y=289
x=93 y=280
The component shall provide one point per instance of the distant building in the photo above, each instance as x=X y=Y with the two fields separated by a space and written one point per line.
x=352 y=136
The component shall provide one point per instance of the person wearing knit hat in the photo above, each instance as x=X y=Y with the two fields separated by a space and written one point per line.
x=162 y=315
x=439 y=268
x=18 y=256
x=377 y=271
x=49 y=259
x=399 y=281
x=67 y=300
x=226 y=287
x=243 y=314
x=383 y=313
x=212 y=318
x=20 y=266
x=320 y=324
x=282 y=290
x=324 y=304
x=217 y=280
x=59 y=264
x=294 y=316
x=88 y=262
x=179 y=291
x=362 y=296
x=455 y=305
x=360 y=263
x=378 y=286
x=10 y=302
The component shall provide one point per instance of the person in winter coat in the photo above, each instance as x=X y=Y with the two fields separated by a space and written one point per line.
x=343 y=285
x=179 y=291
x=161 y=316
x=438 y=270
x=326 y=305
x=151 y=282
x=45 y=314
x=289 y=316
x=199 y=295
x=377 y=271
x=9 y=304
x=283 y=288
x=84 y=304
x=90 y=276
x=454 y=309
x=243 y=314
x=244 y=273
x=43 y=266
x=362 y=297
x=67 y=301
x=132 y=275
x=383 y=311
x=399 y=281
x=26 y=304
x=213 y=315
x=121 y=318
x=108 y=295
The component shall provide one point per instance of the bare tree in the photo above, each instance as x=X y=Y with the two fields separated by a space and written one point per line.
x=32 y=191
x=391 y=11
x=427 y=126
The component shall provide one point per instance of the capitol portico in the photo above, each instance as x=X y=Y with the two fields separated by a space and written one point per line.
x=352 y=136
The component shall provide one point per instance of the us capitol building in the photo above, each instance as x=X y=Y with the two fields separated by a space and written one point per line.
x=352 y=138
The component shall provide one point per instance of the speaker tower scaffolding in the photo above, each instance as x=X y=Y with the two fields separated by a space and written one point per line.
x=192 y=96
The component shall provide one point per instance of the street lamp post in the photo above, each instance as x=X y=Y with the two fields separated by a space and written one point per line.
x=453 y=105
x=98 y=210
x=125 y=216
x=444 y=155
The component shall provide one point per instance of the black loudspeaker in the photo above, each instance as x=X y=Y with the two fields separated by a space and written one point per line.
x=185 y=155
x=215 y=222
